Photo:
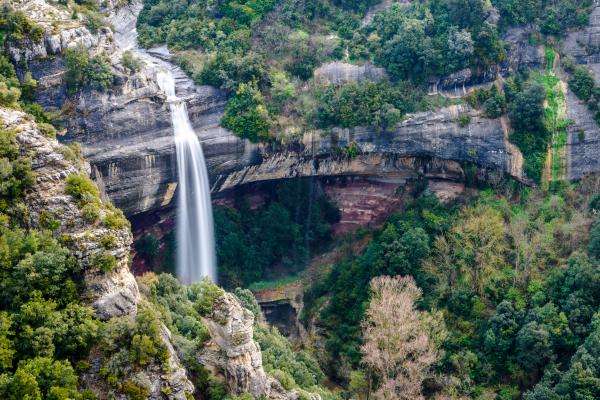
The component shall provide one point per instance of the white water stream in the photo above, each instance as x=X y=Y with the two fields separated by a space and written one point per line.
x=194 y=230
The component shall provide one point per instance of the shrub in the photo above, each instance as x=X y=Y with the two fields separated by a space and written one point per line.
x=135 y=391
x=90 y=212
x=108 y=241
x=130 y=62
x=582 y=83
x=246 y=114
x=78 y=185
x=83 y=71
x=148 y=247
x=104 y=261
x=495 y=106
x=464 y=120
x=115 y=219
x=208 y=292
x=71 y=152
x=47 y=222
x=47 y=130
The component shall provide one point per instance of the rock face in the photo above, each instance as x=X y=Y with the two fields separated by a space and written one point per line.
x=234 y=354
x=583 y=143
x=431 y=144
x=113 y=293
x=339 y=73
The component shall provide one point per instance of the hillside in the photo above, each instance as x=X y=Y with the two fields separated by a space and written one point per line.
x=405 y=198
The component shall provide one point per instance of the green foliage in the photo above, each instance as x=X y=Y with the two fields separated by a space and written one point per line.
x=130 y=342
x=526 y=112
x=148 y=247
x=292 y=368
x=115 y=219
x=293 y=221
x=15 y=169
x=16 y=27
x=518 y=297
x=464 y=120
x=554 y=18
x=582 y=83
x=398 y=249
x=104 y=261
x=381 y=105
x=81 y=187
x=130 y=62
x=83 y=71
x=246 y=114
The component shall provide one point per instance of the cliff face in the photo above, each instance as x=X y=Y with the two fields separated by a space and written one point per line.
x=431 y=144
x=126 y=133
x=583 y=144
x=113 y=293
x=233 y=354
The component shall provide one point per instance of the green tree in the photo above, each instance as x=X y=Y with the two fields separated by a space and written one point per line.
x=246 y=114
x=582 y=83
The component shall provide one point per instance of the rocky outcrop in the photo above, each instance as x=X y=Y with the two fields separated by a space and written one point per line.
x=233 y=354
x=431 y=144
x=169 y=381
x=111 y=293
x=339 y=73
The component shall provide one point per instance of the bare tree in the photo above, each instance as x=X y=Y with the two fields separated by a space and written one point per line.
x=399 y=341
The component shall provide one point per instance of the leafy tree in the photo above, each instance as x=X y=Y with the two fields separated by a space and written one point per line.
x=246 y=114
x=83 y=71
x=526 y=112
x=582 y=83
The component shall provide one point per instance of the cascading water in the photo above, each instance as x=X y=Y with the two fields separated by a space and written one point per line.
x=195 y=236
x=195 y=241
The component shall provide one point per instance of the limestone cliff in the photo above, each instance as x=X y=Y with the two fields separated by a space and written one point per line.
x=233 y=354
x=111 y=293
x=126 y=133
x=431 y=144
x=583 y=143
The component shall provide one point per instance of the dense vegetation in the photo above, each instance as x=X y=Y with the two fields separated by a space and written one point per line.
x=513 y=277
x=264 y=54
x=282 y=232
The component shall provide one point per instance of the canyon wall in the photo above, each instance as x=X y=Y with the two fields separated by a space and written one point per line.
x=126 y=133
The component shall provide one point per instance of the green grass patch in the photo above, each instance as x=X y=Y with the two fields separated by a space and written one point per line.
x=550 y=57
x=266 y=285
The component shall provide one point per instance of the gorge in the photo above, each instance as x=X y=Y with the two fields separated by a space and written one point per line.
x=402 y=198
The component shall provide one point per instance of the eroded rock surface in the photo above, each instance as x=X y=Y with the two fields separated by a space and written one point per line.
x=233 y=354
x=113 y=293
x=431 y=144
x=339 y=73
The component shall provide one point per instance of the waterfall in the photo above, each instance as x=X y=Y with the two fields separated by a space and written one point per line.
x=194 y=230
x=195 y=241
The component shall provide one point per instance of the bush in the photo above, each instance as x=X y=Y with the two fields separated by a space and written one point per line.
x=80 y=185
x=464 y=120
x=582 y=83
x=115 y=219
x=130 y=62
x=381 y=105
x=246 y=114
x=83 y=71
x=104 y=261
x=148 y=247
